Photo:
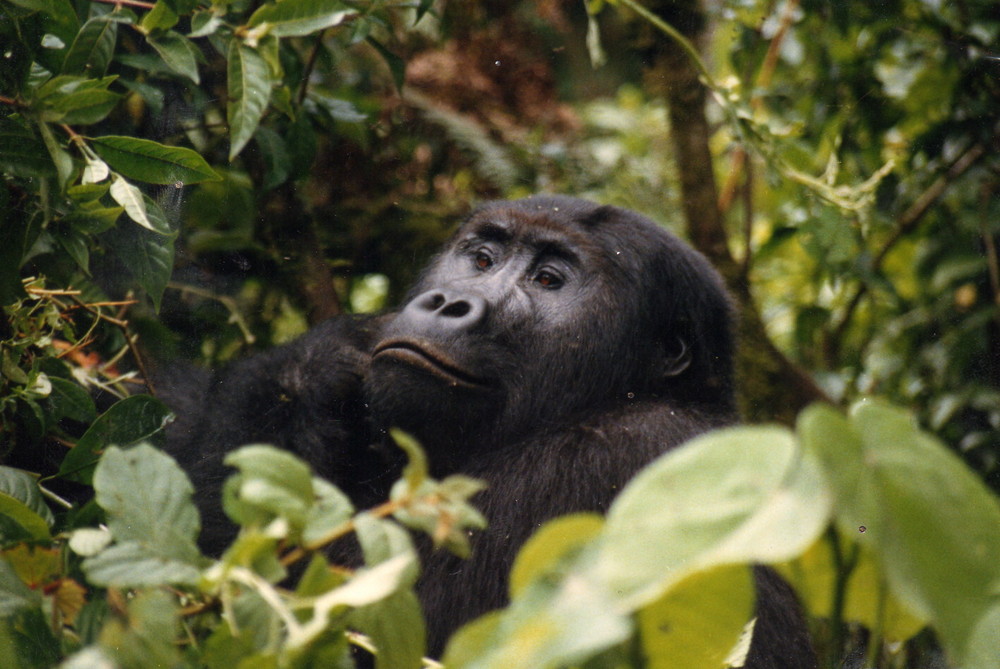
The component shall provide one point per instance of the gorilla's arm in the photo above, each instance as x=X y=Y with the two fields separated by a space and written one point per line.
x=304 y=397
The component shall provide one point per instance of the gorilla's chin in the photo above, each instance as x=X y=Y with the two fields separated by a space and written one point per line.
x=449 y=417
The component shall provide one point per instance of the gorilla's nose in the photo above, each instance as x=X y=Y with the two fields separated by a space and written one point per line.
x=447 y=311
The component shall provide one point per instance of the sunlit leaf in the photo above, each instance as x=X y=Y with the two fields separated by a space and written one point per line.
x=292 y=18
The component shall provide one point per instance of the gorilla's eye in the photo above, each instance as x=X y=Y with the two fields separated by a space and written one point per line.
x=483 y=260
x=547 y=279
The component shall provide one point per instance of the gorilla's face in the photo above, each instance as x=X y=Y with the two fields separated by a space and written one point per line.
x=535 y=311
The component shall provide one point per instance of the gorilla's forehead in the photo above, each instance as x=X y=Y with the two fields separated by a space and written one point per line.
x=565 y=231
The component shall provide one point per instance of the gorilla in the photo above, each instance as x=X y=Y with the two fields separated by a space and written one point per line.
x=552 y=348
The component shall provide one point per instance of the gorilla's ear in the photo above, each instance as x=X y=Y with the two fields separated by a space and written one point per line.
x=674 y=364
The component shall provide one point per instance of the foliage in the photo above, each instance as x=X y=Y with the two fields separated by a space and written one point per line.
x=839 y=506
x=181 y=176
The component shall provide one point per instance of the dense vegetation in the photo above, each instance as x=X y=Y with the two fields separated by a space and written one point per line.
x=197 y=179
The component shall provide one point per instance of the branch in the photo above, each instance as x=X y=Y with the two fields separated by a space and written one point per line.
x=907 y=223
x=764 y=77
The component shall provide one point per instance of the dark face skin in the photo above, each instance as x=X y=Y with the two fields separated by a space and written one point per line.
x=535 y=311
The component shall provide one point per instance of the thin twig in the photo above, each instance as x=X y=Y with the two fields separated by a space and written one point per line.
x=128 y=3
x=907 y=222
x=764 y=77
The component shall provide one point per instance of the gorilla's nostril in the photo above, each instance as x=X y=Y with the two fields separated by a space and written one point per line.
x=437 y=299
x=456 y=309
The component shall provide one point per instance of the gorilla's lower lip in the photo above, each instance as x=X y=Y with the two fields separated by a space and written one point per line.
x=428 y=360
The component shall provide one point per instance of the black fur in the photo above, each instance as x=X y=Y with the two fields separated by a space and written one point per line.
x=553 y=348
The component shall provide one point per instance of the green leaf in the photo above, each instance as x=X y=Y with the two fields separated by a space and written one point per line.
x=19 y=523
x=277 y=162
x=152 y=162
x=249 y=91
x=133 y=564
x=550 y=545
x=161 y=17
x=382 y=540
x=145 y=636
x=149 y=256
x=938 y=551
x=60 y=157
x=295 y=18
x=731 y=496
x=127 y=422
x=205 y=23
x=84 y=107
x=332 y=509
x=14 y=594
x=699 y=621
x=70 y=400
x=23 y=487
x=271 y=483
x=130 y=198
x=22 y=153
x=416 y=471
x=397 y=66
x=178 y=52
x=396 y=625
x=552 y=624
x=866 y=600
x=92 y=49
x=147 y=498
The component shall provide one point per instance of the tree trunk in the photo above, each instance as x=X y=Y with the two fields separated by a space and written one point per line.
x=770 y=386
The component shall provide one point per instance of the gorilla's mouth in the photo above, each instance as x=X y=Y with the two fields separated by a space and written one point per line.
x=428 y=360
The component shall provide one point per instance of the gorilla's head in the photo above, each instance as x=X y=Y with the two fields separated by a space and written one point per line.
x=542 y=309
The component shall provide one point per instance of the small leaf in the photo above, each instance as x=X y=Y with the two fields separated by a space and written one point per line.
x=23 y=487
x=178 y=52
x=91 y=51
x=96 y=171
x=161 y=17
x=130 y=197
x=295 y=18
x=89 y=541
x=152 y=162
x=60 y=157
x=85 y=106
x=249 y=91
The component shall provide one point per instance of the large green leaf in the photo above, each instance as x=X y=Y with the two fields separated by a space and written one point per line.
x=292 y=18
x=147 y=499
x=14 y=594
x=149 y=256
x=92 y=50
x=932 y=525
x=127 y=422
x=84 y=107
x=152 y=162
x=698 y=622
x=249 y=91
x=729 y=497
